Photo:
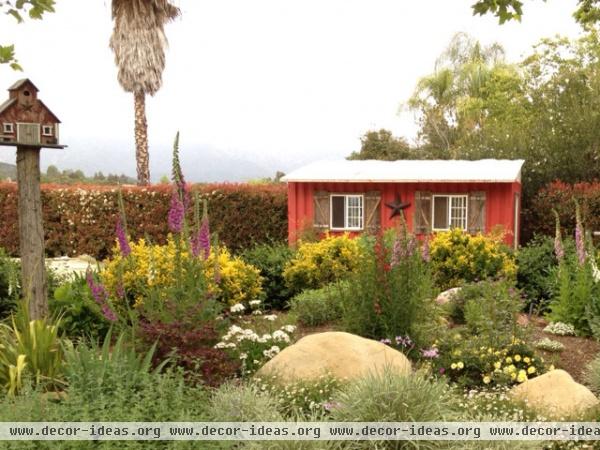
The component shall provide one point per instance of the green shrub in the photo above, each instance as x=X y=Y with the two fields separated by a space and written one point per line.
x=315 y=307
x=93 y=370
x=390 y=397
x=10 y=289
x=156 y=397
x=577 y=299
x=491 y=309
x=80 y=314
x=248 y=402
x=270 y=260
x=317 y=264
x=535 y=271
x=391 y=293
x=458 y=257
x=243 y=403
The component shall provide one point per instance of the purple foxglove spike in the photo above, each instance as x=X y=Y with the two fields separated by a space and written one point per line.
x=108 y=313
x=122 y=238
x=176 y=214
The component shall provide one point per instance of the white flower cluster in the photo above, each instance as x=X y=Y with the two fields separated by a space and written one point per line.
x=270 y=353
x=254 y=303
x=549 y=345
x=237 y=308
x=560 y=329
x=236 y=334
x=270 y=317
x=280 y=335
x=289 y=328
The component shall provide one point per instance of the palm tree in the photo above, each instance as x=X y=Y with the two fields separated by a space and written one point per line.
x=138 y=42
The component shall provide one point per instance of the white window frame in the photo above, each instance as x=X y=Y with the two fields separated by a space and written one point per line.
x=45 y=127
x=450 y=197
x=346 y=227
x=8 y=127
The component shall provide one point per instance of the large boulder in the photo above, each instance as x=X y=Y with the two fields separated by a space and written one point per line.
x=341 y=355
x=447 y=296
x=555 y=394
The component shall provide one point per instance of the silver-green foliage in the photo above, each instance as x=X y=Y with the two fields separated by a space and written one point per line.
x=314 y=307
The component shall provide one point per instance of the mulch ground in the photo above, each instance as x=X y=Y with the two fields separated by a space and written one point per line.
x=577 y=354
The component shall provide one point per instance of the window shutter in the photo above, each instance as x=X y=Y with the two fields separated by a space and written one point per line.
x=372 y=211
x=422 y=216
x=476 y=219
x=321 y=209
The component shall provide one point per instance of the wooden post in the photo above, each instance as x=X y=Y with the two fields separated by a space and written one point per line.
x=31 y=231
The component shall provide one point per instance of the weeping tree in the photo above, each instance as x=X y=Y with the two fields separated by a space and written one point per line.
x=139 y=42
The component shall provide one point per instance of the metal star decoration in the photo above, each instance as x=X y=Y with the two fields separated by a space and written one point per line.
x=397 y=206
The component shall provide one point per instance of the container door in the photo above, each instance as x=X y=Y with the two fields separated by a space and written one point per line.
x=28 y=133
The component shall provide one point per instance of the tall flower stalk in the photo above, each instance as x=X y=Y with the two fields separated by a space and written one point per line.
x=200 y=242
x=100 y=295
x=559 y=251
x=176 y=214
x=122 y=238
x=579 y=235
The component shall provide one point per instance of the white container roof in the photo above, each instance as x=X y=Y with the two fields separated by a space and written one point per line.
x=410 y=171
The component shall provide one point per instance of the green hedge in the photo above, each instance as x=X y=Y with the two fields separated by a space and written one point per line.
x=81 y=219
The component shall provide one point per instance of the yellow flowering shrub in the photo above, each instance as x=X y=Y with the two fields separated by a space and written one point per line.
x=319 y=263
x=470 y=364
x=458 y=257
x=151 y=266
x=240 y=282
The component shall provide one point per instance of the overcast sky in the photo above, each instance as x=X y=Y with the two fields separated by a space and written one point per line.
x=277 y=82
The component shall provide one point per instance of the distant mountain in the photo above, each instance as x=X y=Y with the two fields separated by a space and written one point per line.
x=200 y=164
x=8 y=171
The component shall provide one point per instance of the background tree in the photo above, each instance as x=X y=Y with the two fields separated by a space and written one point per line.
x=382 y=145
x=450 y=102
x=543 y=110
x=587 y=12
x=35 y=9
x=138 y=42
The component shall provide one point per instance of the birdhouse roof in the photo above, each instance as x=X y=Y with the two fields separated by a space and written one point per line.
x=20 y=83
x=410 y=171
x=7 y=104
x=56 y=119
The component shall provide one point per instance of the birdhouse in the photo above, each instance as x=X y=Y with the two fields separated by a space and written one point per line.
x=25 y=120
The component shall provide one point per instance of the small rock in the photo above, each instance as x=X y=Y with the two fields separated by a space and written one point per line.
x=447 y=296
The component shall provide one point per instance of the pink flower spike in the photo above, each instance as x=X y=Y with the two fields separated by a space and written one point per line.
x=122 y=238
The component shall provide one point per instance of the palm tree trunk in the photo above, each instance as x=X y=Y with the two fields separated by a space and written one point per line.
x=141 y=139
